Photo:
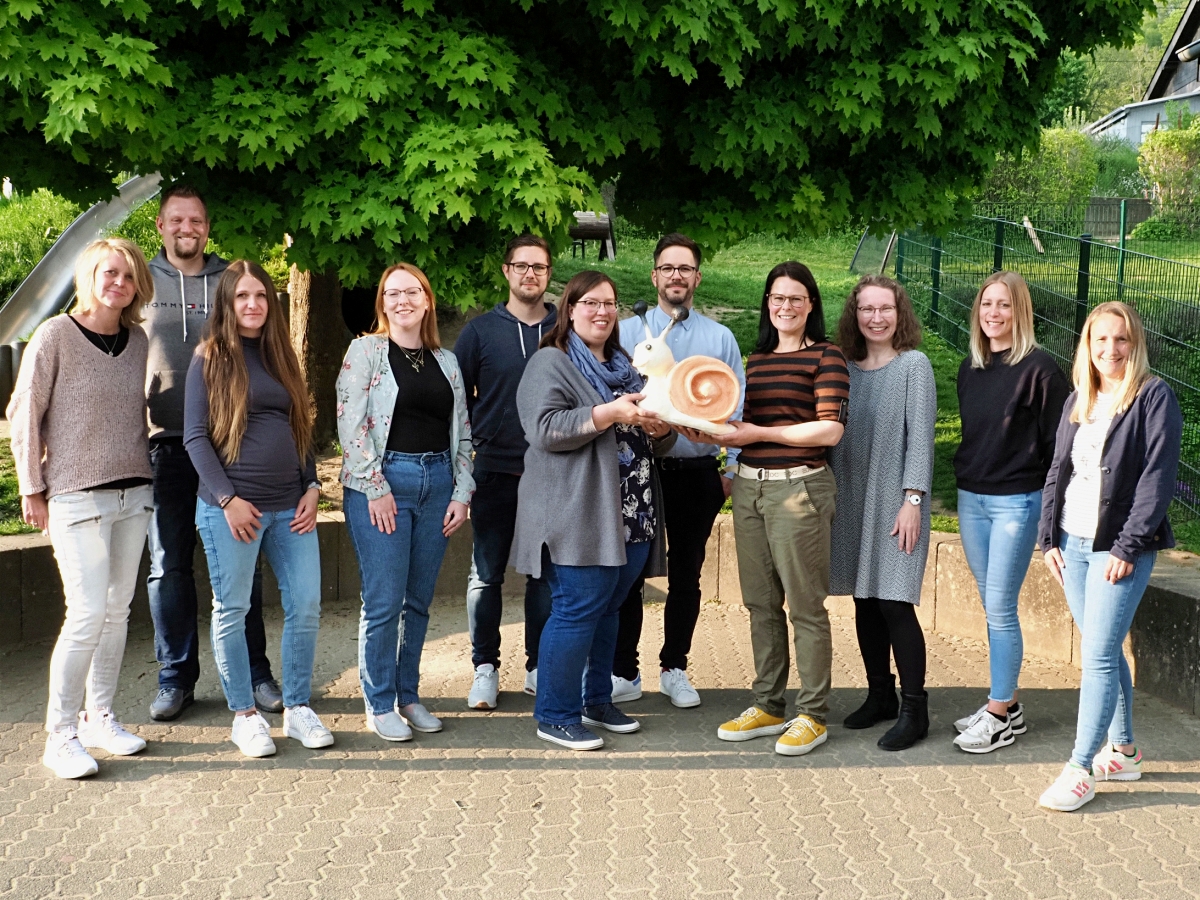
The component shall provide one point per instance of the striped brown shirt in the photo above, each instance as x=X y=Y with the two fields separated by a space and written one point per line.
x=785 y=388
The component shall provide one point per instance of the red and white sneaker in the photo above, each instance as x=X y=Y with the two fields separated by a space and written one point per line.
x=1111 y=764
x=1073 y=788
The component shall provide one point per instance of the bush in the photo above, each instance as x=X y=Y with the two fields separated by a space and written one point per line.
x=29 y=225
x=1059 y=175
x=1161 y=228
x=1117 y=169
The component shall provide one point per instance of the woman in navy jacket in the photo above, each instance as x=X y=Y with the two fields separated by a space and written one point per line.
x=1104 y=519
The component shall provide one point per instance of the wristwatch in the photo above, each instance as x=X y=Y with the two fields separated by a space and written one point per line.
x=313 y=485
x=914 y=499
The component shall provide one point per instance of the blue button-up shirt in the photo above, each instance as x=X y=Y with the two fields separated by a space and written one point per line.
x=697 y=335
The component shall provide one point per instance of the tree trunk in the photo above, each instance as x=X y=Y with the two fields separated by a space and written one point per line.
x=320 y=339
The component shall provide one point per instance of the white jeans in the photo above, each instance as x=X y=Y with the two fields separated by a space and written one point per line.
x=98 y=538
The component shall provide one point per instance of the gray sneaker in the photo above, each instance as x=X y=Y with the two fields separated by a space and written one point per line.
x=420 y=719
x=170 y=704
x=268 y=697
x=389 y=726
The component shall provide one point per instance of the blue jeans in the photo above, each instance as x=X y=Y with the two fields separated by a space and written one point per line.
x=998 y=534
x=493 y=519
x=398 y=572
x=582 y=632
x=296 y=561
x=1103 y=613
x=172 y=582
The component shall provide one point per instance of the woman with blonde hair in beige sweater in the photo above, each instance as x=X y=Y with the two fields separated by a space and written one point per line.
x=78 y=419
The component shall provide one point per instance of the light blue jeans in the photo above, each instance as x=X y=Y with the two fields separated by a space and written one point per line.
x=296 y=561
x=1103 y=613
x=998 y=534
x=398 y=573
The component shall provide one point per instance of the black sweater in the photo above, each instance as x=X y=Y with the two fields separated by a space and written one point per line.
x=1009 y=418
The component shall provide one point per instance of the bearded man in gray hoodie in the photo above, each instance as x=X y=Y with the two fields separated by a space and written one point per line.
x=185 y=280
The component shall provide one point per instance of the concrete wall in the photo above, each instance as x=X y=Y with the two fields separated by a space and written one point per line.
x=1163 y=646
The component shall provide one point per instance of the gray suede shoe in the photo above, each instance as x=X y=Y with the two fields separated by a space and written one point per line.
x=389 y=726
x=420 y=718
x=268 y=698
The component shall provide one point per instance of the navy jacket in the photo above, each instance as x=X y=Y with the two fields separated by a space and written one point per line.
x=492 y=352
x=1137 y=475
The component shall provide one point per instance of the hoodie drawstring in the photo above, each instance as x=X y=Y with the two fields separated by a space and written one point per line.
x=521 y=338
x=205 y=296
x=183 y=307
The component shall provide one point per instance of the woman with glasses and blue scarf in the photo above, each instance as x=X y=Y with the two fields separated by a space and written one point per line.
x=589 y=506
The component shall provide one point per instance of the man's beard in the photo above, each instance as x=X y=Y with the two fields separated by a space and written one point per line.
x=680 y=300
x=180 y=253
x=529 y=294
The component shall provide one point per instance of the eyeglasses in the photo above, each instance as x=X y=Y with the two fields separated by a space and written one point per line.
x=868 y=312
x=595 y=306
x=412 y=294
x=778 y=301
x=668 y=271
x=521 y=268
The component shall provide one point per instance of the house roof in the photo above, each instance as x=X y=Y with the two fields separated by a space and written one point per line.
x=1122 y=111
x=1185 y=33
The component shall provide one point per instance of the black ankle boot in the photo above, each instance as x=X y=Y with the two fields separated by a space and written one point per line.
x=881 y=704
x=911 y=726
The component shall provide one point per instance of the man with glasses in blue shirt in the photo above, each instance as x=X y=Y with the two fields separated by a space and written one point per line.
x=694 y=489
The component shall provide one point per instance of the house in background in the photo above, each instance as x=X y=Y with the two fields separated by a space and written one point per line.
x=1176 y=80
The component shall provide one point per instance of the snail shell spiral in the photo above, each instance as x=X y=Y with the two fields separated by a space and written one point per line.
x=704 y=387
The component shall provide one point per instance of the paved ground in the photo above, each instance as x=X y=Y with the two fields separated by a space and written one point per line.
x=485 y=810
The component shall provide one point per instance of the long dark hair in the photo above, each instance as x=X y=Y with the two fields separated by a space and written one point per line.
x=814 y=328
x=572 y=294
x=908 y=326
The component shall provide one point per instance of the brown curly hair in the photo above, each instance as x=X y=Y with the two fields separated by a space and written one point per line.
x=908 y=326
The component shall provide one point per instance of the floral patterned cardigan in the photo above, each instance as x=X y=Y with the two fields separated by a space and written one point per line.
x=366 y=395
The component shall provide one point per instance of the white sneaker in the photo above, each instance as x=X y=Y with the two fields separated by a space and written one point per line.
x=985 y=733
x=1016 y=719
x=100 y=728
x=1111 y=764
x=625 y=690
x=301 y=723
x=485 y=688
x=65 y=756
x=531 y=683
x=252 y=735
x=389 y=726
x=420 y=719
x=675 y=684
x=1073 y=788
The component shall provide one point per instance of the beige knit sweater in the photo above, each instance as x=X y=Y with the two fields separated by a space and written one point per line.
x=78 y=415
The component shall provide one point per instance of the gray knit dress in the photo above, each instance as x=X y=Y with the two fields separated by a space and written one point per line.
x=887 y=448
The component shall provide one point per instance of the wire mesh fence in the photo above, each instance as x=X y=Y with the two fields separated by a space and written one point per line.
x=1068 y=276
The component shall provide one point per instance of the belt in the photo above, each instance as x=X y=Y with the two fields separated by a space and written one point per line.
x=745 y=471
x=685 y=464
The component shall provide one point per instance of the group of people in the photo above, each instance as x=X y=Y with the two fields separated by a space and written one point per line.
x=532 y=428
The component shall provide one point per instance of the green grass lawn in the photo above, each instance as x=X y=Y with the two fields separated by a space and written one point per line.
x=10 y=496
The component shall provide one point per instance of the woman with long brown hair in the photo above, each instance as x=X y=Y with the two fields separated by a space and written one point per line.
x=248 y=431
x=406 y=471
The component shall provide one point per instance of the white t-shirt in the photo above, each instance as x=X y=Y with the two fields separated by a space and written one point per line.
x=1081 y=504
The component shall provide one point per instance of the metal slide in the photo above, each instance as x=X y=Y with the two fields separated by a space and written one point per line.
x=51 y=285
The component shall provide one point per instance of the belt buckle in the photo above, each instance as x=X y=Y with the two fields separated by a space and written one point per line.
x=760 y=475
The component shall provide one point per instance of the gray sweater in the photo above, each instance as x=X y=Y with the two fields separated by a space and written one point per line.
x=268 y=470
x=174 y=325
x=569 y=499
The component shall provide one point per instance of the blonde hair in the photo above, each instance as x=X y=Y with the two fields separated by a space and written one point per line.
x=1023 y=340
x=429 y=326
x=1137 y=364
x=228 y=379
x=85 y=277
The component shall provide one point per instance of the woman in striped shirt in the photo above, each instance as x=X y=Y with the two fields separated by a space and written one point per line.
x=797 y=390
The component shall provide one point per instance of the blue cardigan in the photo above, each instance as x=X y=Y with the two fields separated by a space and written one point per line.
x=1137 y=475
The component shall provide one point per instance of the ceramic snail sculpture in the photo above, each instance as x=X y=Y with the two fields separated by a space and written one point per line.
x=701 y=392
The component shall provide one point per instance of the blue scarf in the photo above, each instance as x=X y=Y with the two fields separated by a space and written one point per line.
x=607 y=377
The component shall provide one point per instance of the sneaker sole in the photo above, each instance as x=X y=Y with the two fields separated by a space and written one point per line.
x=1086 y=798
x=480 y=704
x=423 y=730
x=627 y=698
x=91 y=746
x=1124 y=776
x=790 y=750
x=988 y=749
x=171 y=718
x=92 y=770
x=324 y=741
x=250 y=755
x=685 y=704
x=765 y=731
x=395 y=740
x=615 y=729
x=571 y=745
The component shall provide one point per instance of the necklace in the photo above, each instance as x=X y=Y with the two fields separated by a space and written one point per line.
x=111 y=351
x=416 y=358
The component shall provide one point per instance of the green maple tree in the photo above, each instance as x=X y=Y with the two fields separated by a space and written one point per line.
x=432 y=131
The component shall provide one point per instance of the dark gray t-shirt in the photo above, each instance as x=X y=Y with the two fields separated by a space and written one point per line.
x=268 y=471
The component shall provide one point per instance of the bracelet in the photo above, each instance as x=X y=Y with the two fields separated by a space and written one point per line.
x=227 y=501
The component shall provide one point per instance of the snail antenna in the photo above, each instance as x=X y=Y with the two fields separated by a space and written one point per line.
x=639 y=310
x=680 y=313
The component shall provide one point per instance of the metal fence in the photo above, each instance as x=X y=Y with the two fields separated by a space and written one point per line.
x=1067 y=276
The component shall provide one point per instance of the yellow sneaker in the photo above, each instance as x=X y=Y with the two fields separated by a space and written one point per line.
x=803 y=735
x=751 y=724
